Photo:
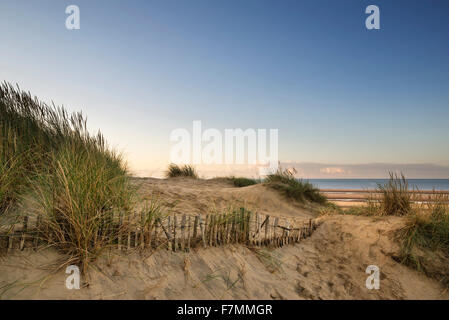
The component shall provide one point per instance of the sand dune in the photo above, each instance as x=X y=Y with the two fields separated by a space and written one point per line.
x=330 y=264
x=184 y=195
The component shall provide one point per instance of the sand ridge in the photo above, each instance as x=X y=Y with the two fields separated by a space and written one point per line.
x=190 y=196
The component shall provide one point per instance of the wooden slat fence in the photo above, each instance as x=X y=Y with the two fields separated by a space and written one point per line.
x=179 y=232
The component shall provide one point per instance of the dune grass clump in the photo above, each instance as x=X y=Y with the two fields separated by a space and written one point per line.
x=391 y=199
x=269 y=259
x=175 y=170
x=425 y=240
x=243 y=182
x=78 y=196
x=396 y=198
x=240 y=182
x=11 y=175
x=73 y=179
x=297 y=189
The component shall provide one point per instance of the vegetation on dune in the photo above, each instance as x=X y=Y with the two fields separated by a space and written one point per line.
x=78 y=195
x=297 y=189
x=391 y=199
x=425 y=237
x=240 y=182
x=78 y=185
x=175 y=170
x=11 y=175
x=269 y=259
x=395 y=196
x=74 y=179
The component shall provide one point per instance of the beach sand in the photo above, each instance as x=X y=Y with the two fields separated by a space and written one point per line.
x=346 y=198
x=330 y=264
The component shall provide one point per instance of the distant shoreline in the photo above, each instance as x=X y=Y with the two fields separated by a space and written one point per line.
x=358 y=197
x=370 y=185
x=342 y=190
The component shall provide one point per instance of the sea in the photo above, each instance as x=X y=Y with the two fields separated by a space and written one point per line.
x=369 y=184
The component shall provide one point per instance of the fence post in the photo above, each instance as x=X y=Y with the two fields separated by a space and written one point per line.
x=267 y=226
x=298 y=233
x=24 y=230
x=168 y=233
x=234 y=231
x=195 y=228
x=183 y=226
x=157 y=231
x=119 y=231
x=211 y=229
x=36 y=238
x=129 y=230
x=257 y=227
x=248 y=227
x=203 y=230
x=288 y=233
x=222 y=229
x=281 y=238
x=216 y=229
x=242 y=224
x=149 y=229
x=175 y=225
x=188 y=232
x=228 y=228
x=142 y=230
x=136 y=229
x=275 y=237
x=11 y=238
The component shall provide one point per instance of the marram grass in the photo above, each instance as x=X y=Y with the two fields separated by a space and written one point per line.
x=175 y=170
x=396 y=198
x=299 y=190
x=74 y=180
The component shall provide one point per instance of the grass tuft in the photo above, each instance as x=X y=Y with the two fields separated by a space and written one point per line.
x=181 y=171
x=297 y=189
x=240 y=181
x=75 y=180
x=269 y=259
x=395 y=196
x=243 y=182
x=425 y=240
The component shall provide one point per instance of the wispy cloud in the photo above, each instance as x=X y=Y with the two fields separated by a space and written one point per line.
x=368 y=170
x=311 y=170
x=334 y=171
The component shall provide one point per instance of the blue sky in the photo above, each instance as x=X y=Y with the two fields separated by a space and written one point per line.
x=338 y=93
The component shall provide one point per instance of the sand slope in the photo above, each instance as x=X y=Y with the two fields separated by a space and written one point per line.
x=191 y=196
x=329 y=265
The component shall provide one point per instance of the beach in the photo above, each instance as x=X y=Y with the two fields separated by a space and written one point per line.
x=346 y=198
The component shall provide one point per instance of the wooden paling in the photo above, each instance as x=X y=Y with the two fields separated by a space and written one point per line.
x=180 y=232
x=37 y=233
x=24 y=232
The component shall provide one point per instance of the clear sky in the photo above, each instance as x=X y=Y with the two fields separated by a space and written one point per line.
x=338 y=93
